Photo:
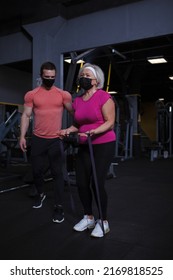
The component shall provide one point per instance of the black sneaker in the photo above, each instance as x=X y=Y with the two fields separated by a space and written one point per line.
x=58 y=215
x=39 y=201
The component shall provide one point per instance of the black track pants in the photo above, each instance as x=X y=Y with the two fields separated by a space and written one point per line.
x=103 y=155
x=48 y=153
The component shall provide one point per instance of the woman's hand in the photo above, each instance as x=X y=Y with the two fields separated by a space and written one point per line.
x=90 y=132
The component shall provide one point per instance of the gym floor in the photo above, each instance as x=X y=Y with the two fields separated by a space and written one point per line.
x=140 y=215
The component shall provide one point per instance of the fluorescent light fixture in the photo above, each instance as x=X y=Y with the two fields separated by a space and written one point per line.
x=171 y=77
x=68 y=60
x=112 y=92
x=156 y=60
x=80 y=61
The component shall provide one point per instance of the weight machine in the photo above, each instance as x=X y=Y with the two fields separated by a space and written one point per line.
x=123 y=127
x=9 y=133
x=164 y=127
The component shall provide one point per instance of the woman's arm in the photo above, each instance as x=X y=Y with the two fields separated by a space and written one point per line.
x=108 y=111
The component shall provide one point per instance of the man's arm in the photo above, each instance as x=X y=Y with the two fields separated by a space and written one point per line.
x=24 y=126
x=68 y=107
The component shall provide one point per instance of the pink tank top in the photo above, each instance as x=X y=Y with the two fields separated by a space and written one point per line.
x=88 y=115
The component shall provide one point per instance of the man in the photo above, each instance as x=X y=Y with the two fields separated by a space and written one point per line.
x=46 y=103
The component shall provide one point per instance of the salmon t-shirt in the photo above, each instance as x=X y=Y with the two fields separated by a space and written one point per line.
x=48 y=108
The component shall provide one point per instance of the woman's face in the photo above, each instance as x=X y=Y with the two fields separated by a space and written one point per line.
x=87 y=73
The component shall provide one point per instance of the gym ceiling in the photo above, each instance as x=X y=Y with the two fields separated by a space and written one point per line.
x=127 y=60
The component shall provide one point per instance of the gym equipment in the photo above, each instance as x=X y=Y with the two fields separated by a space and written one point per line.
x=4 y=190
x=123 y=127
x=9 y=134
x=164 y=126
x=6 y=126
x=72 y=139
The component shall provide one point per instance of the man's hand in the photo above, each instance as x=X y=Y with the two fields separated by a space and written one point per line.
x=22 y=144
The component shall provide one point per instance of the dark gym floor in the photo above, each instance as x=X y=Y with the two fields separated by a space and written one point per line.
x=140 y=215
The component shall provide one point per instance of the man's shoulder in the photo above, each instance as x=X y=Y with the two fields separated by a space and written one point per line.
x=33 y=91
x=62 y=91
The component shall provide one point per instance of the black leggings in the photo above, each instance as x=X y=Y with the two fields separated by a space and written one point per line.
x=45 y=154
x=103 y=155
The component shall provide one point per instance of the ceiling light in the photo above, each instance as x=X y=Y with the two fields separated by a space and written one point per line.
x=156 y=60
x=171 y=77
x=80 y=61
x=68 y=60
x=112 y=92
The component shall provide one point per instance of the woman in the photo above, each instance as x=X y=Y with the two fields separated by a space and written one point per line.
x=94 y=114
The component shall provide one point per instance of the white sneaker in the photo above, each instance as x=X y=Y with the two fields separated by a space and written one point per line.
x=97 y=231
x=84 y=224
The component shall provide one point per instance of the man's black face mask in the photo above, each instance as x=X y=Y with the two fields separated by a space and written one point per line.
x=48 y=82
x=85 y=83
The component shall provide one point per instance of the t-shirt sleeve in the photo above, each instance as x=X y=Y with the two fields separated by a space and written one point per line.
x=28 y=99
x=67 y=98
x=104 y=96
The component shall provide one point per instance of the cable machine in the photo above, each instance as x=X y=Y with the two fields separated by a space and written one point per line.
x=9 y=133
x=164 y=127
x=123 y=127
